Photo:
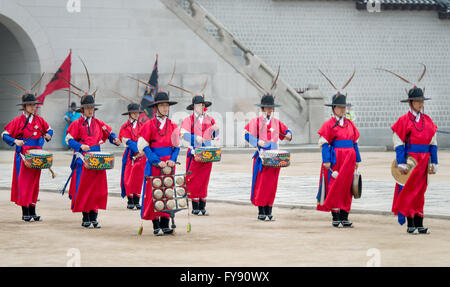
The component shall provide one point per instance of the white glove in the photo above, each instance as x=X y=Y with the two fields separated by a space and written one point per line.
x=434 y=168
x=403 y=166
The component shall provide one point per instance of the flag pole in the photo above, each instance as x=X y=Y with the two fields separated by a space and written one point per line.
x=68 y=104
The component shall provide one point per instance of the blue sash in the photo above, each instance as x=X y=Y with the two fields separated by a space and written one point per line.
x=339 y=144
x=418 y=148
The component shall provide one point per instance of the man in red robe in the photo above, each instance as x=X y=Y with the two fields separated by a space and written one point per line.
x=26 y=132
x=338 y=139
x=159 y=141
x=88 y=187
x=414 y=134
x=199 y=129
x=264 y=132
x=133 y=161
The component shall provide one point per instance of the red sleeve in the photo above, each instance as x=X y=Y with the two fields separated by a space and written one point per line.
x=175 y=137
x=106 y=130
x=434 y=125
x=44 y=125
x=73 y=130
x=186 y=124
x=355 y=132
x=401 y=127
x=252 y=127
x=283 y=128
x=209 y=131
x=146 y=132
x=13 y=127
x=326 y=131
x=124 y=132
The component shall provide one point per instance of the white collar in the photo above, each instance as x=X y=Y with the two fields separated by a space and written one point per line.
x=88 y=119
x=200 y=117
x=162 y=121
x=31 y=117
x=133 y=122
x=267 y=121
x=417 y=115
x=340 y=120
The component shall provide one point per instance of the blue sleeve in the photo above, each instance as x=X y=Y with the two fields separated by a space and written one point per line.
x=112 y=137
x=175 y=153
x=152 y=158
x=8 y=139
x=189 y=137
x=50 y=132
x=73 y=144
x=433 y=154
x=251 y=139
x=132 y=145
x=326 y=153
x=215 y=133
x=289 y=131
x=358 y=156
x=400 y=154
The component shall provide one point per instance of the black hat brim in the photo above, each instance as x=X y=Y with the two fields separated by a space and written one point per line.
x=135 y=111
x=30 y=103
x=415 y=99
x=191 y=106
x=78 y=110
x=267 y=106
x=162 y=102
x=339 y=105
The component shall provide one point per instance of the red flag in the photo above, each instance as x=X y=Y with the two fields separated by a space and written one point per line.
x=56 y=83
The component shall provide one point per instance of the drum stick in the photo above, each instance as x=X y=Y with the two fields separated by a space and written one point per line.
x=36 y=127
x=35 y=133
x=52 y=172
x=334 y=174
x=280 y=133
x=109 y=133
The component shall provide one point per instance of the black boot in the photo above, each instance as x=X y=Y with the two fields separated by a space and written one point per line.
x=156 y=229
x=130 y=204
x=32 y=212
x=164 y=223
x=261 y=213
x=336 y=219
x=26 y=214
x=136 y=200
x=418 y=223
x=411 y=227
x=86 y=222
x=268 y=212
x=201 y=207
x=93 y=219
x=343 y=216
x=195 y=208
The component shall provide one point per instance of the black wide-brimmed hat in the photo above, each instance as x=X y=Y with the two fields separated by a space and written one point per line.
x=162 y=98
x=198 y=100
x=29 y=99
x=267 y=101
x=415 y=94
x=87 y=101
x=132 y=108
x=339 y=100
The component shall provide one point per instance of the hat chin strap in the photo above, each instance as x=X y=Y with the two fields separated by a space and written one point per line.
x=159 y=114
